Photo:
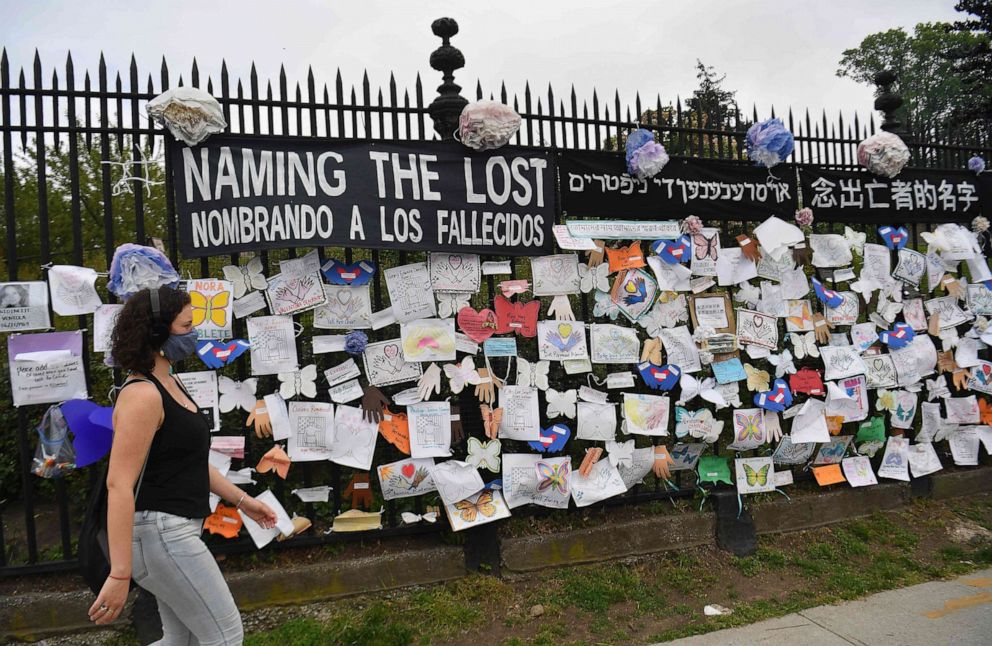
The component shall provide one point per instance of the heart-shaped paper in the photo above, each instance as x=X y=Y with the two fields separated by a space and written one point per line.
x=341 y=273
x=829 y=297
x=894 y=237
x=395 y=427
x=217 y=354
x=477 y=326
x=659 y=377
x=553 y=439
x=673 y=252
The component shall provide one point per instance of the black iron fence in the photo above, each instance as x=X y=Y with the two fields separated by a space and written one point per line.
x=64 y=203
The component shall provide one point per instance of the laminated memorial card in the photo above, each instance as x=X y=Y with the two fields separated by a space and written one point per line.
x=714 y=311
x=555 y=275
x=613 y=344
x=46 y=367
x=24 y=306
x=530 y=478
x=104 y=319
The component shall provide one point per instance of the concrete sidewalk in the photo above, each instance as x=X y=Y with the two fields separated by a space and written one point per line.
x=939 y=612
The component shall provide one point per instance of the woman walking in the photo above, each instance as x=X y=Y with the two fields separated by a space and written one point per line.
x=161 y=447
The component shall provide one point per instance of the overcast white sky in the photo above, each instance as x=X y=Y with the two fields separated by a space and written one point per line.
x=777 y=52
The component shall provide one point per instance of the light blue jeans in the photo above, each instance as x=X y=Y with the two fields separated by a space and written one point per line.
x=173 y=563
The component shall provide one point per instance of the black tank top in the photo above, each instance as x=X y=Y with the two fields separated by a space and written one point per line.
x=177 y=475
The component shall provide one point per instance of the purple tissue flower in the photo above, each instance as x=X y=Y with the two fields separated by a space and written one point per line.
x=769 y=142
x=136 y=267
x=976 y=164
x=645 y=157
x=355 y=342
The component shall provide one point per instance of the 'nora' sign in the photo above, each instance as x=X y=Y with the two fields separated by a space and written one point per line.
x=238 y=194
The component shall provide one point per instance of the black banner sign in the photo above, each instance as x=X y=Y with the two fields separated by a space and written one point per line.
x=238 y=194
x=915 y=195
x=595 y=184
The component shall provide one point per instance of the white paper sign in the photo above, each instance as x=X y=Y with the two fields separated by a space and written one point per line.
x=312 y=431
x=430 y=429
x=273 y=345
x=73 y=290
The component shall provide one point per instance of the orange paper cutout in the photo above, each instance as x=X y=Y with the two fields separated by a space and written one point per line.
x=226 y=521
x=985 y=409
x=395 y=427
x=491 y=417
x=834 y=422
x=275 y=459
x=828 y=475
x=629 y=257
x=592 y=457
x=359 y=491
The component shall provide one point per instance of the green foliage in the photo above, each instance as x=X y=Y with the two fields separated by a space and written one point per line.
x=933 y=91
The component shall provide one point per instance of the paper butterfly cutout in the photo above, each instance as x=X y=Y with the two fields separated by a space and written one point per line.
x=629 y=257
x=899 y=336
x=553 y=476
x=621 y=453
x=450 y=303
x=468 y=511
x=757 y=380
x=657 y=377
x=804 y=344
x=828 y=296
x=701 y=424
x=591 y=278
x=209 y=308
x=748 y=294
x=706 y=247
x=491 y=418
x=605 y=306
x=460 y=374
x=673 y=252
x=757 y=478
x=938 y=388
x=706 y=389
x=484 y=454
x=516 y=317
x=894 y=237
x=533 y=374
x=784 y=365
x=561 y=403
x=552 y=439
x=236 y=394
x=855 y=240
x=217 y=354
x=776 y=399
x=477 y=326
x=341 y=273
x=247 y=278
x=299 y=382
x=750 y=426
x=564 y=337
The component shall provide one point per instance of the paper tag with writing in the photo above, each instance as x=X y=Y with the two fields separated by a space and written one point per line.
x=249 y=304
x=701 y=283
x=407 y=397
x=841 y=275
x=342 y=372
x=620 y=380
x=782 y=478
x=465 y=344
x=592 y=395
x=569 y=242
x=305 y=266
x=577 y=366
x=496 y=268
x=324 y=343
x=382 y=318
x=346 y=392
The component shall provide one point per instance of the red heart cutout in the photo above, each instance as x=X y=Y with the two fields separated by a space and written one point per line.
x=477 y=326
x=407 y=470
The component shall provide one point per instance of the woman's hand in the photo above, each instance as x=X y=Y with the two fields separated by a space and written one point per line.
x=259 y=512
x=110 y=602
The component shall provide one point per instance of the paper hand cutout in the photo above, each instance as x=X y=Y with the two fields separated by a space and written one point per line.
x=491 y=418
x=953 y=286
x=561 y=308
x=651 y=351
x=275 y=459
x=484 y=390
x=373 y=401
x=663 y=462
x=664 y=377
x=259 y=416
x=592 y=457
x=457 y=432
x=821 y=329
x=946 y=362
x=773 y=426
x=429 y=382
x=749 y=247
x=961 y=378
x=595 y=256
x=673 y=252
x=225 y=521
x=899 y=336
x=359 y=491
x=895 y=238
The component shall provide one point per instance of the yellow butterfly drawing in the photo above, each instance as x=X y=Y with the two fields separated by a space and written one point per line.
x=757 y=478
x=757 y=380
x=468 y=511
x=210 y=308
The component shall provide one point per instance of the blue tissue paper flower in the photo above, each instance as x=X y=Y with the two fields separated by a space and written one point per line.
x=136 y=267
x=976 y=164
x=645 y=157
x=355 y=342
x=769 y=142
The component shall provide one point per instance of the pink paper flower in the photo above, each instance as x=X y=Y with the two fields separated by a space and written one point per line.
x=804 y=217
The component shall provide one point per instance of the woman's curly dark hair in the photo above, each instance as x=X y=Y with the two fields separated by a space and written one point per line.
x=132 y=342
